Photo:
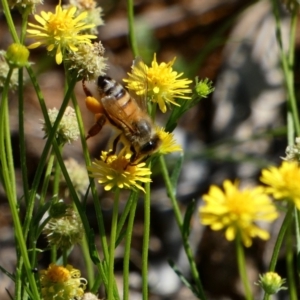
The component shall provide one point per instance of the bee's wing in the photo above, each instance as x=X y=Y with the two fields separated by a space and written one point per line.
x=140 y=82
x=116 y=113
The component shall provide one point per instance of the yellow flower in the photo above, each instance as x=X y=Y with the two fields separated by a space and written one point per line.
x=116 y=171
x=168 y=143
x=159 y=82
x=60 y=31
x=283 y=182
x=62 y=283
x=237 y=211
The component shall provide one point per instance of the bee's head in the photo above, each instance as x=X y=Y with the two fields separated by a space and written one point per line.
x=103 y=82
x=150 y=146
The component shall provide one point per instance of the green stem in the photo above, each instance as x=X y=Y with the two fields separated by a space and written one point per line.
x=53 y=254
x=125 y=212
x=290 y=263
x=8 y=146
x=147 y=205
x=57 y=177
x=22 y=139
x=114 y=223
x=287 y=61
x=297 y=230
x=50 y=140
x=10 y=22
x=96 y=202
x=285 y=224
x=18 y=282
x=88 y=262
x=65 y=256
x=25 y=15
x=132 y=36
x=129 y=231
x=242 y=266
x=178 y=217
x=46 y=179
x=8 y=173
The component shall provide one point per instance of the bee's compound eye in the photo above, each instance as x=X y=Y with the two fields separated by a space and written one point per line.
x=147 y=147
x=150 y=146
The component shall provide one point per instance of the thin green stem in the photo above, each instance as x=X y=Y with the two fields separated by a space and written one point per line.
x=65 y=257
x=285 y=224
x=287 y=62
x=125 y=212
x=126 y=261
x=297 y=230
x=50 y=140
x=6 y=137
x=8 y=172
x=88 y=262
x=18 y=282
x=242 y=266
x=53 y=254
x=22 y=138
x=46 y=179
x=25 y=15
x=147 y=206
x=57 y=177
x=290 y=264
x=178 y=217
x=10 y=22
x=132 y=36
x=96 y=202
x=114 y=224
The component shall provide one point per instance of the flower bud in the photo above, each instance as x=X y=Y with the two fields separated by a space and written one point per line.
x=17 y=55
x=271 y=283
x=204 y=87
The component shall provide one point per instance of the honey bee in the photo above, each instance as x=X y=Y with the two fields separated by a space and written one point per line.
x=126 y=113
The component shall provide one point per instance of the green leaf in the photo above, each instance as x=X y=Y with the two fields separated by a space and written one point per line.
x=176 y=172
x=11 y=276
x=92 y=248
x=8 y=292
x=187 y=219
x=40 y=213
x=120 y=238
x=183 y=279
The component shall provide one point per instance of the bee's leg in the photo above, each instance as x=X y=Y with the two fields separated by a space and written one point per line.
x=115 y=144
x=134 y=155
x=100 y=121
x=85 y=89
x=114 y=149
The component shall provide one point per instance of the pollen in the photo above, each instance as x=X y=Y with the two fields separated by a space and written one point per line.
x=58 y=274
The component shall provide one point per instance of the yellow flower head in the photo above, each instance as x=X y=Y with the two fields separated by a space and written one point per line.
x=116 y=171
x=159 y=82
x=60 y=31
x=168 y=143
x=62 y=283
x=237 y=211
x=283 y=182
